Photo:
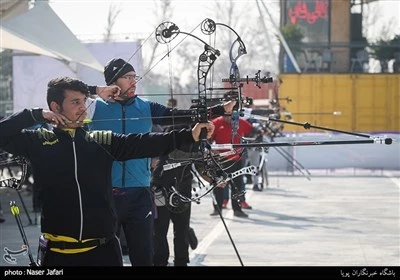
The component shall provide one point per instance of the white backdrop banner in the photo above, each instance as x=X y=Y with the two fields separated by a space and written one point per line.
x=31 y=74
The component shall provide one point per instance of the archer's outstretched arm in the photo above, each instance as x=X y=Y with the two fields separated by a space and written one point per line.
x=167 y=116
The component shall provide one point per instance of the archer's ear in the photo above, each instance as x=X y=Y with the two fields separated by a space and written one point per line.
x=54 y=107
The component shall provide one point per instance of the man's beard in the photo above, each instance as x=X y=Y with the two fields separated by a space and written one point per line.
x=128 y=94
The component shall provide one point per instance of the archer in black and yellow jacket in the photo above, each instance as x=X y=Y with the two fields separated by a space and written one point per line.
x=72 y=167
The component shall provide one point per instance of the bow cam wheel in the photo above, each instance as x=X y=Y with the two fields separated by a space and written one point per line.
x=166 y=32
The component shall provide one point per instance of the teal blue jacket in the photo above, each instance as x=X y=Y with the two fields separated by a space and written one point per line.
x=137 y=116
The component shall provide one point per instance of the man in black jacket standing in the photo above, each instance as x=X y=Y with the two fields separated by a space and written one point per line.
x=72 y=166
x=176 y=211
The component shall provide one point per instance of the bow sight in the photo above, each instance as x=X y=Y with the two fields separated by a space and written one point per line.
x=199 y=107
x=257 y=79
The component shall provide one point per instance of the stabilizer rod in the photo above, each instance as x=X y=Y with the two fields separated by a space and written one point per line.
x=299 y=143
x=307 y=125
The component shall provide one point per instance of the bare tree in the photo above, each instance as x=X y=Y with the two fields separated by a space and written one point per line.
x=184 y=59
x=163 y=11
x=373 y=13
x=244 y=19
x=113 y=13
x=158 y=80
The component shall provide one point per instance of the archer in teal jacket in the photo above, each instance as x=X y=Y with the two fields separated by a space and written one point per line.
x=129 y=113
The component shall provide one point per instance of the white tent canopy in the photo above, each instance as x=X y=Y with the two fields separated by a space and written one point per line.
x=41 y=31
x=15 y=42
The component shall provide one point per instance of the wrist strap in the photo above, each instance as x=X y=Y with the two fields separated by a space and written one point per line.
x=37 y=115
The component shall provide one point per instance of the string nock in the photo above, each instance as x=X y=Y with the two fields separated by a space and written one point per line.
x=381 y=140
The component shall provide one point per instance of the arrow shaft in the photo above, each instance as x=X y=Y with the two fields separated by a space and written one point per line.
x=295 y=143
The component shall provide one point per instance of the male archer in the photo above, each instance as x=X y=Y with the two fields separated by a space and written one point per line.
x=130 y=113
x=73 y=168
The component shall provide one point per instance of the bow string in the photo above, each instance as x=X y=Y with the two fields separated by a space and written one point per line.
x=210 y=164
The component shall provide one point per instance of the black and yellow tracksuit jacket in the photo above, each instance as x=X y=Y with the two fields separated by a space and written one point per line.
x=73 y=170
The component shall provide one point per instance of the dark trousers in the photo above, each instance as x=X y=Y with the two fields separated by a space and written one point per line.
x=235 y=185
x=135 y=216
x=181 y=223
x=108 y=254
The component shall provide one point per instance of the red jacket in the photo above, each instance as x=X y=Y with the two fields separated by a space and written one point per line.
x=223 y=132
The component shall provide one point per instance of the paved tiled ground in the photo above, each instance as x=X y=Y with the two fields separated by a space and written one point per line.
x=341 y=218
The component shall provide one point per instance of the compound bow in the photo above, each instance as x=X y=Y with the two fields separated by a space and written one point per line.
x=208 y=163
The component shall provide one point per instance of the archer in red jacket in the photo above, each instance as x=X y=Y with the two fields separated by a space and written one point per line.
x=225 y=127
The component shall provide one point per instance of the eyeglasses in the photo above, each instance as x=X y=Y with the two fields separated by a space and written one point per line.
x=132 y=78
